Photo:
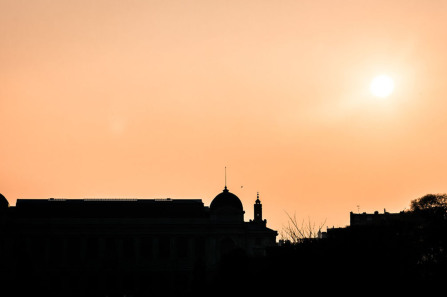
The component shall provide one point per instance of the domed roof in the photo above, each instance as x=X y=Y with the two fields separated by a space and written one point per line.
x=3 y=202
x=226 y=199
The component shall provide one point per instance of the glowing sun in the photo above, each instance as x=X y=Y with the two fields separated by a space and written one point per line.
x=382 y=86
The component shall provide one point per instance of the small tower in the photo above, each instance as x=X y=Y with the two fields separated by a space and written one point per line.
x=258 y=210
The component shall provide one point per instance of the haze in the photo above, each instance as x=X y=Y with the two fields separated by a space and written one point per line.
x=152 y=99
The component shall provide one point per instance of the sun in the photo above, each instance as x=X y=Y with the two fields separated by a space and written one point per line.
x=382 y=86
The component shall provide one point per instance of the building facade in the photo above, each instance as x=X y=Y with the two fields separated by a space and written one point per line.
x=134 y=247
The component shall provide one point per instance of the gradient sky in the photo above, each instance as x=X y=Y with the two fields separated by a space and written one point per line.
x=152 y=99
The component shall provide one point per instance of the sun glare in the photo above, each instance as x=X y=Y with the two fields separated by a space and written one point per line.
x=382 y=86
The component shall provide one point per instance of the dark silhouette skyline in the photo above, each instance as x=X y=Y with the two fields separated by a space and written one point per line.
x=124 y=247
x=168 y=247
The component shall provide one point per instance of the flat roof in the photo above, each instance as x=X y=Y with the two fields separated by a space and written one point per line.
x=110 y=207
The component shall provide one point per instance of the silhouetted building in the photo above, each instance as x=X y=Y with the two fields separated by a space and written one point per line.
x=98 y=247
x=369 y=223
x=403 y=251
x=378 y=219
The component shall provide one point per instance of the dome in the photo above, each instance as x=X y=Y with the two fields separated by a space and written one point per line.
x=226 y=199
x=3 y=202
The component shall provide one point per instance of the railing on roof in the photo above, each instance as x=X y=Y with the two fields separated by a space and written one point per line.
x=120 y=199
x=94 y=199
x=110 y=199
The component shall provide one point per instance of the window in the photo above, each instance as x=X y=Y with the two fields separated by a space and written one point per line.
x=91 y=249
x=73 y=251
x=38 y=248
x=128 y=251
x=146 y=248
x=200 y=249
x=56 y=251
x=111 y=249
x=182 y=247
x=164 y=247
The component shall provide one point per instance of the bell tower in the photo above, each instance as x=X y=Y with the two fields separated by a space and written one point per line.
x=258 y=210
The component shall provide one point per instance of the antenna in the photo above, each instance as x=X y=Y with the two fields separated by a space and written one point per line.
x=225 y=177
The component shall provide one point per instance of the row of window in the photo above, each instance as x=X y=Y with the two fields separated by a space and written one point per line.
x=75 y=249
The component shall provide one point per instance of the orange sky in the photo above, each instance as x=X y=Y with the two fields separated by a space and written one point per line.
x=152 y=99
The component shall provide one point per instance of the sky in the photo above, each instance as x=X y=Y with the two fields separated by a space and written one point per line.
x=153 y=99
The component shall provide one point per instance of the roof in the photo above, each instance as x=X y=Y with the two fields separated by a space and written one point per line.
x=226 y=200
x=155 y=208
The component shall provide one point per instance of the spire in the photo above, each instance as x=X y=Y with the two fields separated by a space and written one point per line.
x=257 y=198
x=225 y=189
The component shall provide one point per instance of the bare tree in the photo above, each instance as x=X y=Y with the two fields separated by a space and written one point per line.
x=296 y=232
